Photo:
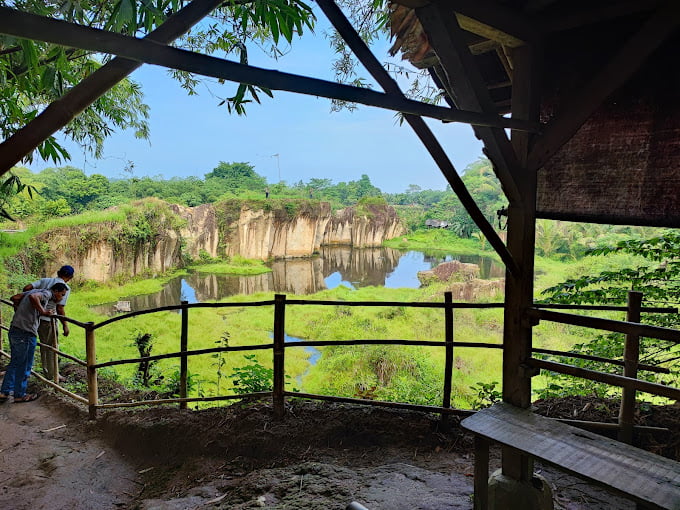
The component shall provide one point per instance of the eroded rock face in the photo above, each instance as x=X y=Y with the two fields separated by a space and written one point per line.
x=100 y=260
x=463 y=281
x=261 y=234
x=239 y=228
x=449 y=271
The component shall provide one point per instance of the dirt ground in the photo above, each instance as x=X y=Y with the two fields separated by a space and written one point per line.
x=320 y=456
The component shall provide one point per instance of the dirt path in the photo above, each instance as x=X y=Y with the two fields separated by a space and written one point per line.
x=50 y=461
x=319 y=457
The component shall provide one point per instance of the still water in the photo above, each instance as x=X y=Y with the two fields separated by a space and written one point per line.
x=335 y=266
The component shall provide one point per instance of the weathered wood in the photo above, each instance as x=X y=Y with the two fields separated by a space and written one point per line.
x=184 y=359
x=495 y=21
x=185 y=400
x=631 y=357
x=578 y=355
x=615 y=380
x=381 y=403
x=469 y=89
x=363 y=53
x=279 y=351
x=448 y=354
x=195 y=352
x=91 y=356
x=481 y=473
x=629 y=328
x=631 y=472
x=59 y=388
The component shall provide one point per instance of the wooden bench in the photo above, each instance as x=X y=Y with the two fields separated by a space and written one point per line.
x=650 y=480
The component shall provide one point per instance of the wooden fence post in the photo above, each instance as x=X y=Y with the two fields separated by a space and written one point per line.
x=631 y=358
x=448 y=366
x=279 y=352
x=183 y=361
x=91 y=355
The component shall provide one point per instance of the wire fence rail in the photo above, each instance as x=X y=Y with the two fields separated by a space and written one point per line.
x=632 y=328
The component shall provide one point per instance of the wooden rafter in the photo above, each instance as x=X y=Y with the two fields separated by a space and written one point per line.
x=59 y=32
x=363 y=53
x=62 y=111
x=489 y=19
x=469 y=89
x=582 y=103
x=494 y=21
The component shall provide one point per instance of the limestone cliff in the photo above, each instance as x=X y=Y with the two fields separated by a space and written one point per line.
x=270 y=230
x=154 y=237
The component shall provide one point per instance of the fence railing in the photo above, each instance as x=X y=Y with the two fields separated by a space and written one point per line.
x=628 y=381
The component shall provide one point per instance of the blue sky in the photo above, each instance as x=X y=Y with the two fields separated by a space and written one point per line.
x=190 y=135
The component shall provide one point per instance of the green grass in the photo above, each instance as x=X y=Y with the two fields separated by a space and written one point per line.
x=237 y=265
x=398 y=373
x=439 y=240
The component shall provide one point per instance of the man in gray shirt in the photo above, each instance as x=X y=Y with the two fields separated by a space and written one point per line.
x=47 y=330
x=23 y=330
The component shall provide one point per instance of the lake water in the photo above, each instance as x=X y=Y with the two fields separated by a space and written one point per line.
x=334 y=266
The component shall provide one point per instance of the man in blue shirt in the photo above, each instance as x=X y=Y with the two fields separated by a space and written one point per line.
x=23 y=330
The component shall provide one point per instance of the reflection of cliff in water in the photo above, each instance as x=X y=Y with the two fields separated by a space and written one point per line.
x=361 y=267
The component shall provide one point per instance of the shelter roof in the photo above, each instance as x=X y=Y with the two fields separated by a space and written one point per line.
x=605 y=84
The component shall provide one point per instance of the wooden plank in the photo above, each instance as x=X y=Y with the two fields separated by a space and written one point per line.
x=494 y=21
x=612 y=379
x=632 y=472
x=59 y=113
x=629 y=328
x=581 y=104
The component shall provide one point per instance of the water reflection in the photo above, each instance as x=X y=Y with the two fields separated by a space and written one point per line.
x=334 y=266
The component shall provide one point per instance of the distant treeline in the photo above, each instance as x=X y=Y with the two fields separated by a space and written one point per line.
x=59 y=192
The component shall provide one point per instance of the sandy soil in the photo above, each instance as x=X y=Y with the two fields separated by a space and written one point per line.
x=320 y=456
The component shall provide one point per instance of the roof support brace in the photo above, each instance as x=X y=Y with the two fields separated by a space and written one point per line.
x=144 y=50
x=363 y=53
x=469 y=90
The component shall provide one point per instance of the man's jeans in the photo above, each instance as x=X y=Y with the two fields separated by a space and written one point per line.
x=22 y=347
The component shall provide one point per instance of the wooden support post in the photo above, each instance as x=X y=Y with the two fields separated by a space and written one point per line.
x=481 y=483
x=448 y=366
x=519 y=289
x=183 y=347
x=91 y=355
x=631 y=358
x=51 y=356
x=279 y=352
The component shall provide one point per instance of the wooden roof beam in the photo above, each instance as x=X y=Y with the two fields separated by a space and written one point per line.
x=469 y=89
x=64 y=110
x=580 y=105
x=366 y=57
x=68 y=34
x=489 y=19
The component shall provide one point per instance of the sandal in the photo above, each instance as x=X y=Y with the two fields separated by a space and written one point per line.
x=3 y=397
x=29 y=397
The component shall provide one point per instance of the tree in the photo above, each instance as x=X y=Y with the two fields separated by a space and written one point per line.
x=234 y=177
x=33 y=74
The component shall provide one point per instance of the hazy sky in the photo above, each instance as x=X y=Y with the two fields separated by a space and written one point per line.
x=190 y=135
